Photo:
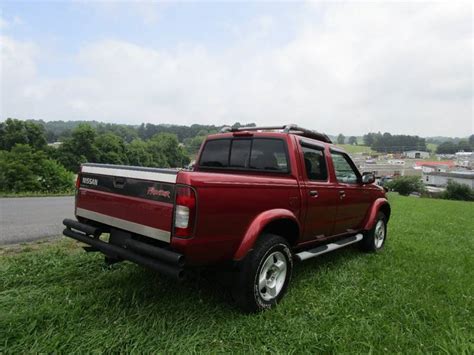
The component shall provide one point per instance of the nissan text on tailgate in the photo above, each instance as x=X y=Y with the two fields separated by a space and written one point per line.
x=257 y=200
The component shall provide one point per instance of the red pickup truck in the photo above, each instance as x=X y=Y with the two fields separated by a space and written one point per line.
x=257 y=199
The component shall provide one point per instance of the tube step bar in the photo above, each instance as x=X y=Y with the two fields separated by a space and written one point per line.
x=323 y=249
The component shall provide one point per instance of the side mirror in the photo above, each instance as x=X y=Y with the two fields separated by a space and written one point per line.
x=368 y=178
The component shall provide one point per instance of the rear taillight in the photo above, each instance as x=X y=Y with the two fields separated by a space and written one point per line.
x=185 y=212
x=78 y=181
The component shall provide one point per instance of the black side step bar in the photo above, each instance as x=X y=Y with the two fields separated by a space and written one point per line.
x=323 y=249
x=164 y=261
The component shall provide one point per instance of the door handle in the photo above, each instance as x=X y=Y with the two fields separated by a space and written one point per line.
x=342 y=194
x=313 y=193
x=119 y=182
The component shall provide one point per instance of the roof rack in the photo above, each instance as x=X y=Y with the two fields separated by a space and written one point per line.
x=289 y=128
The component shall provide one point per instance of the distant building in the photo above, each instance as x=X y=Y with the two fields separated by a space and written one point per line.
x=434 y=166
x=464 y=155
x=396 y=162
x=441 y=179
x=55 y=144
x=465 y=159
x=385 y=169
x=416 y=154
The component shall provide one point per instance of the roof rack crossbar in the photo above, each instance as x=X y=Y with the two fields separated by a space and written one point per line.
x=289 y=128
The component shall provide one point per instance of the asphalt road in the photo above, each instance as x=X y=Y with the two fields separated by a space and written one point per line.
x=27 y=219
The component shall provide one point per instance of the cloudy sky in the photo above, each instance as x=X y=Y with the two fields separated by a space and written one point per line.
x=336 y=67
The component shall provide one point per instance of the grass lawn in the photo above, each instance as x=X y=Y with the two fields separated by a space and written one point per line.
x=415 y=296
x=353 y=149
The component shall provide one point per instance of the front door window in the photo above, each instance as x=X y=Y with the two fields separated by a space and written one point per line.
x=346 y=173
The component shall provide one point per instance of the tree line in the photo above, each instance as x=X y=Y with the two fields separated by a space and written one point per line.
x=29 y=164
x=389 y=143
x=60 y=130
x=450 y=147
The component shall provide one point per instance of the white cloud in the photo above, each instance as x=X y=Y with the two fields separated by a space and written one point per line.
x=404 y=68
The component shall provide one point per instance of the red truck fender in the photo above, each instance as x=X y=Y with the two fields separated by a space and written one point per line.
x=380 y=204
x=258 y=225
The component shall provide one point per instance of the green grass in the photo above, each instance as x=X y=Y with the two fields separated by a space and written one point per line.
x=415 y=296
x=352 y=149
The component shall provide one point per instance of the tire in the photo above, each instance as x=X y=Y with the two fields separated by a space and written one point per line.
x=264 y=274
x=374 y=239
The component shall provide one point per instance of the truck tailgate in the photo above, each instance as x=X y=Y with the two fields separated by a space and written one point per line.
x=135 y=199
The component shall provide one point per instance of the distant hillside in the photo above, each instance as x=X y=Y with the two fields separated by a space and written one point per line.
x=439 y=139
x=59 y=130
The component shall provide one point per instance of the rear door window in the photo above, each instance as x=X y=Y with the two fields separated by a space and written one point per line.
x=315 y=163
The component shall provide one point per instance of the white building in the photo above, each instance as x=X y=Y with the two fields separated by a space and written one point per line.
x=441 y=179
x=416 y=154
x=465 y=159
x=396 y=162
x=55 y=144
x=435 y=168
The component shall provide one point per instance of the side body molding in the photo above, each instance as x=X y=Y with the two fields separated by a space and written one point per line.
x=380 y=203
x=258 y=225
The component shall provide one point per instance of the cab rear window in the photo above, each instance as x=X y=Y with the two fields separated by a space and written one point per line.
x=216 y=154
x=261 y=154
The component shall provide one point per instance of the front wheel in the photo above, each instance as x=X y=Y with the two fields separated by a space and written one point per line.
x=374 y=239
x=264 y=274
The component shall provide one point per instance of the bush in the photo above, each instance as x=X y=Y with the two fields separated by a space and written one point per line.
x=406 y=185
x=456 y=191
x=14 y=131
x=24 y=170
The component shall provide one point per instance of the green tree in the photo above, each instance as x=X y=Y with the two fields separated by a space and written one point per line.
x=110 y=149
x=369 y=139
x=138 y=153
x=14 y=131
x=463 y=145
x=78 y=149
x=341 y=139
x=353 y=140
x=166 y=145
x=24 y=170
x=127 y=133
x=446 y=148
x=194 y=144
x=394 y=143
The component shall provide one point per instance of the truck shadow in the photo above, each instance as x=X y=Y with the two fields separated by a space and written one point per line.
x=207 y=291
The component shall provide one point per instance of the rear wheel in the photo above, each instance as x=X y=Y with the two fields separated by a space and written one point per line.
x=374 y=239
x=264 y=274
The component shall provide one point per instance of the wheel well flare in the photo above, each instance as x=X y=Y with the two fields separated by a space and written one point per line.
x=285 y=228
